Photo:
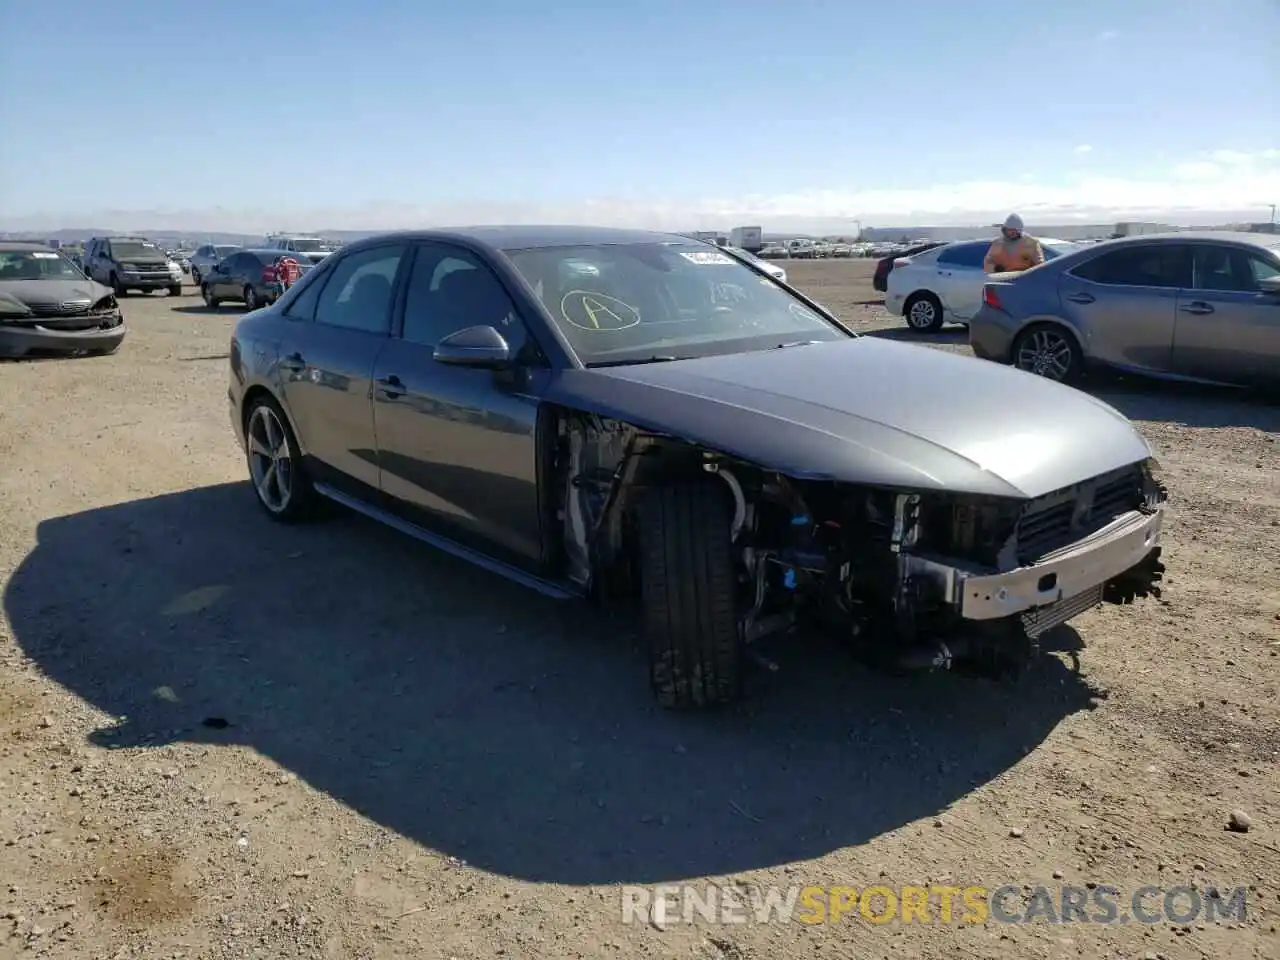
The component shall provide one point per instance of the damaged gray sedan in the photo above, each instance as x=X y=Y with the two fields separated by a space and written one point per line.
x=637 y=418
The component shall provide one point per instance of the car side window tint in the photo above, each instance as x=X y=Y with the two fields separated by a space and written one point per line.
x=1223 y=269
x=963 y=255
x=360 y=289
x=302 y=303
x=450 y=290
x=1166 y=265
x=1262 y=270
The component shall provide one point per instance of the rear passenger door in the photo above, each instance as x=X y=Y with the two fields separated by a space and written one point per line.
x=960 y=279
x=1123 y=303
x=1227 y=328
x=337 y=328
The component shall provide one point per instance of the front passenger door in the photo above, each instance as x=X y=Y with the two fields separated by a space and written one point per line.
x=457 y=446
x=326 y=361
x=1228 y=329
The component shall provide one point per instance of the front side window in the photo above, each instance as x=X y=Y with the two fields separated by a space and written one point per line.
x=624 y=302
x=1155 y=265
x=1225 y=269
x=359 y=290
x=37 y=265
x=449 y=290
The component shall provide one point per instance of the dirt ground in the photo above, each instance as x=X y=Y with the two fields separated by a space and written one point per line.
x=224 y=739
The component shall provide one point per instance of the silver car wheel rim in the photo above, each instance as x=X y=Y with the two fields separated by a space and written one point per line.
x=921 y=314
x=208 y=296
x=1046 y=354
x=250 y=298
x=270 y=465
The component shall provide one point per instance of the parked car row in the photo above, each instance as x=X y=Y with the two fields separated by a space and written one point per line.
x=1200 y=306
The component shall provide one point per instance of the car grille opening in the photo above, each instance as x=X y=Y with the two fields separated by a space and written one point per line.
x=1059 y=519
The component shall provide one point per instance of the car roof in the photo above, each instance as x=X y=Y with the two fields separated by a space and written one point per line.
x=24 y=245
x=262 y=251
x=1266 y=241
x=526 y=236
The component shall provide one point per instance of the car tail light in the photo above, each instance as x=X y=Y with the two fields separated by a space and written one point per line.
x=270 y=274
x=990 y=297
x=902 y=262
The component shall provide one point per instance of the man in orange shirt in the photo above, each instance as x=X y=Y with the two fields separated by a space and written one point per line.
x=1013 y=249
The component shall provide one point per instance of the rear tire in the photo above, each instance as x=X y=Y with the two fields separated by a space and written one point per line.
x=688 y=588
x=210 y=300
x=195 y=277
x=1049 y=351
x=276 y=470
x=250 y=298
x=923 y=312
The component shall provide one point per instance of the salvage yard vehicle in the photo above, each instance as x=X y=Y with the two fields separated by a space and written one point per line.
x=132 y=263
x=1188 y=305
x=252 y=277
x=945 y=283
x=638 y=418
x=48 y=305
x=209 y=256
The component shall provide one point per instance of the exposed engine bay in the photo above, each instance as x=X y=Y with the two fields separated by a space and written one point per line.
x=915 y=580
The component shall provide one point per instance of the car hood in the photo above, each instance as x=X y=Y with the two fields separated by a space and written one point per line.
x=870 y=411
x=36 y=293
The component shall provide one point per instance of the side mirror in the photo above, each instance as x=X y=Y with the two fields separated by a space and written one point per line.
x=482 y=347
x=1270 y=286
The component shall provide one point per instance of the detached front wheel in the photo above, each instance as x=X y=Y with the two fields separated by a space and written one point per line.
x=688 y=589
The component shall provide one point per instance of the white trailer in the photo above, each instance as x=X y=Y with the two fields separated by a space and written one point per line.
x=750 y=239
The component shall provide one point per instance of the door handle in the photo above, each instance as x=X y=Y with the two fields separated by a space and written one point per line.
x=1081 y=297
x=1198 y=307
x=293 y=363
x=391 y=386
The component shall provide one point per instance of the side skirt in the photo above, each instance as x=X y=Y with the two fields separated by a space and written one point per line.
x=548 y=588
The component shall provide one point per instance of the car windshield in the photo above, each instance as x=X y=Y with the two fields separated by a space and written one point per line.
x=1058 y=248
x=636 y=301
x=134 y=248
x=224 y=251
x=37 y=265
x=310 y=245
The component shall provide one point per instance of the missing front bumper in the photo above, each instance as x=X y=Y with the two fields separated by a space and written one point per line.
x=1117 y=564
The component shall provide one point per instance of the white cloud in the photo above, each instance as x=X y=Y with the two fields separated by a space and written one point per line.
x=1081 y=150
x=1106 y=36
x=1222 y=182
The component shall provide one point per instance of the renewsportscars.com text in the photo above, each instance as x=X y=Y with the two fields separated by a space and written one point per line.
x=882 y=904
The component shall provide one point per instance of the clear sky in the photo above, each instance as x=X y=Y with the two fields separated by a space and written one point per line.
x=378 y=113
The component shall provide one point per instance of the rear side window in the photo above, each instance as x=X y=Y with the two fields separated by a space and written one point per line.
x=302 y=305
x=359 y=292
x=1164 y=265
x=964 y=255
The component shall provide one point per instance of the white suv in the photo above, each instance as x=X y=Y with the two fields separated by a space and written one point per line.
x=313 y=248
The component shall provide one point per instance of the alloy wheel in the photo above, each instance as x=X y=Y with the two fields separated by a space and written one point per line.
x=922 y=314
x=270 y=465
x=1045 y=353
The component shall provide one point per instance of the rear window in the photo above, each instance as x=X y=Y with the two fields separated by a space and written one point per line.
x=224 y=251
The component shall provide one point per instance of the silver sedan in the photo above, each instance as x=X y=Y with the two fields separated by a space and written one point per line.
x=1202 y=306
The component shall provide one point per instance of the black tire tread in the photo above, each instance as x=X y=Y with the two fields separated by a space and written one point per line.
x=688 y=589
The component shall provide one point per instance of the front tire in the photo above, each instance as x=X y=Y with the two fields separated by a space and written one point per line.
x=280 y=481
x=688 y=589
x=250 y=298
x=116 y=288
x=175 y=290
x=923 y=312
x=195 y=276
x=1049 y=351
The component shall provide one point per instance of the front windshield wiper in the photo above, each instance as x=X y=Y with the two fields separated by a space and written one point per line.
x=663 y=358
